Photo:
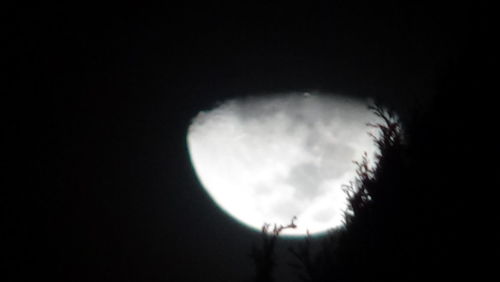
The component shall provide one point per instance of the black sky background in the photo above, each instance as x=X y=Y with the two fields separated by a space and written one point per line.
x=98 y=101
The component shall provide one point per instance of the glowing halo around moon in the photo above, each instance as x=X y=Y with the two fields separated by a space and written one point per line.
x=266 y=160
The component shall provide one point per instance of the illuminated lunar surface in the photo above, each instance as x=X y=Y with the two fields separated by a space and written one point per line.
x=266 y=160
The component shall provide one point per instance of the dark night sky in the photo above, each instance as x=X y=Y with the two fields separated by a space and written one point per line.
x=100 y=99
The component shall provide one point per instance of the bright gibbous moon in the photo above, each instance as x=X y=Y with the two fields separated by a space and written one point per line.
x=266 y=160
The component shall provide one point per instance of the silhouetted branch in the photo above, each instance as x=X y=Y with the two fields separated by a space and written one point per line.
x=263 y=257
x=345 y=254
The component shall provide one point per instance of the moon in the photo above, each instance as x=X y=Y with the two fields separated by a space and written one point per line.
x=266 y=160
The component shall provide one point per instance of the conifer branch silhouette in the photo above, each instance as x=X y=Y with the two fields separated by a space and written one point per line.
x=346 y=246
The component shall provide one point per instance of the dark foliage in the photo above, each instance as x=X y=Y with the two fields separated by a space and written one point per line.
x=426 y=210
x=264 y=256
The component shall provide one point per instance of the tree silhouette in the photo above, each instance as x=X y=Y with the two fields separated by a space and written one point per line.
x=361 y=192
x=264 y=256
x=428 y=209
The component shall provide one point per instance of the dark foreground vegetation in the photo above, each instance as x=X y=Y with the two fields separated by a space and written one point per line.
x=427 y=210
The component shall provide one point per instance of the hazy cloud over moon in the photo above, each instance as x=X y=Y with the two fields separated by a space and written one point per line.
x=265 y=160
